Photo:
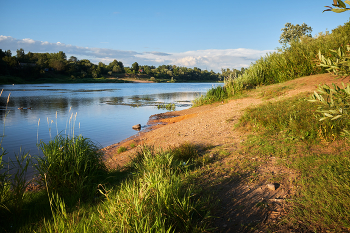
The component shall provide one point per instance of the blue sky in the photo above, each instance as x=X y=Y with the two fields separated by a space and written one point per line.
x=207 y=34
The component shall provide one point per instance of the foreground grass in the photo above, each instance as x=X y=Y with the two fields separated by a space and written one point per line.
x=155 y=193
x=314 y=149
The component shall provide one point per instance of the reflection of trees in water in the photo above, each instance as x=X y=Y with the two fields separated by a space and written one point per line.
x=63 y=103
x=46 y=103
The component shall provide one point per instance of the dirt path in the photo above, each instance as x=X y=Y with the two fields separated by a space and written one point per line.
x=214 y=125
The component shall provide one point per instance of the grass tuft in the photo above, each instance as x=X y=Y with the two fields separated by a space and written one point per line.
x=71 y=166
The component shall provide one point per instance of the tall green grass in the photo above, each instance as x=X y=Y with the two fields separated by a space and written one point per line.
x=218 y=93
x=157 y=197
x=298 y=59
x=70 y=166
x=157 y=200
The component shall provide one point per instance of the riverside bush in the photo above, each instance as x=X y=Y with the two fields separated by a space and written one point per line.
x=70 y=166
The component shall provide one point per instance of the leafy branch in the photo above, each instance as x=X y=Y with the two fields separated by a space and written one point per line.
x=339 y=6
x=339 y=64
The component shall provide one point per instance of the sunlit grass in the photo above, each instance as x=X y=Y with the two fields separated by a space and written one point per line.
x=290 y=131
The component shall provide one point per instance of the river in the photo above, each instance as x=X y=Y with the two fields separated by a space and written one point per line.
x=104 y=112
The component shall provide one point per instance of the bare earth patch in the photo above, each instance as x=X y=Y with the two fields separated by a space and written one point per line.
x=245 y=203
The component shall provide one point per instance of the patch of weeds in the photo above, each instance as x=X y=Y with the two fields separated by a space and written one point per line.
x=292 y=118
x=132 y=145
x=121 y=149
x=185 y=152
x=289 y=130
x=275 y=92
x=224 y=152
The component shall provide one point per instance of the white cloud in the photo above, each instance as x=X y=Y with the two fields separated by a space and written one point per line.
x=210 y=59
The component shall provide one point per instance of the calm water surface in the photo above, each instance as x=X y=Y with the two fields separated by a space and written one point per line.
x=104 y=113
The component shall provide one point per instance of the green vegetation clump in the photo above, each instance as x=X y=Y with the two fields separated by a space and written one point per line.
x=155 y=193
x=70 y=166
x=339 y=63
x=169 y=107
x=216 y=94
x=297 y=60
x=157 y=199
x=121 y=149
x=300 y=58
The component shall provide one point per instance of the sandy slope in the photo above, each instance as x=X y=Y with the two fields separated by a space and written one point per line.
x=210 y=124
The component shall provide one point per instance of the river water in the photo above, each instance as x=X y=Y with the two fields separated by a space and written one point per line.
x=104 y=112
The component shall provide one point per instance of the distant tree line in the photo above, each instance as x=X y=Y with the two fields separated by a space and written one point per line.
x=33 y=66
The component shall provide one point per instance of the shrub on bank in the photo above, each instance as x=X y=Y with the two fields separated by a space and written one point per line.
x=70 y=166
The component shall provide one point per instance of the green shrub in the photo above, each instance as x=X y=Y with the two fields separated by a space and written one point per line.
x=185 y=152
x=333 y=106
x=338 y=63
x=70 y=166
x=215 y=94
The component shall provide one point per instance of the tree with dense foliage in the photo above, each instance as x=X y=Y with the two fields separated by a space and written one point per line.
x=116 y=66
x=292 y=32
x=135 y=67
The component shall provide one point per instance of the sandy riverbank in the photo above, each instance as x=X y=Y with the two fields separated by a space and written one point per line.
x=209 y=124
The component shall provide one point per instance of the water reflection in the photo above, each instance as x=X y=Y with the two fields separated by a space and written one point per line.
x=105 y=112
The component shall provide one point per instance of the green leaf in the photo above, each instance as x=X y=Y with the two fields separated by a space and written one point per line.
x=336 y=117
x=339 y=10
x=341 y=4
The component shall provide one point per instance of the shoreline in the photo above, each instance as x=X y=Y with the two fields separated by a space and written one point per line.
x=155 y=121
x=208 y=124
